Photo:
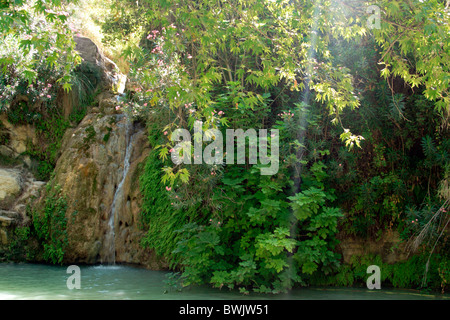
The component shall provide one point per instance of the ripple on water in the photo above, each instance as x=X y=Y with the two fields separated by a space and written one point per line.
x=107 y=267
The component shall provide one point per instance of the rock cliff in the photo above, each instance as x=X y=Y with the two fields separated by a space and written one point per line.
x=89 y=170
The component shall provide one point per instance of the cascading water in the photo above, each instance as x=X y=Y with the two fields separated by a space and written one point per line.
x=109 y=242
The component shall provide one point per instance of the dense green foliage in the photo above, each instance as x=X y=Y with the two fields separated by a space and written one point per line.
x=35 y=34
x=50 y=223
x=48 y=120
x=236 y=238
x=38 y=63
x=233 y=67
x=45 y=237
x=362 y=115
x=407 y=274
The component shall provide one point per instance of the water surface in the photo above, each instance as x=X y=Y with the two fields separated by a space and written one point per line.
x=117 y=282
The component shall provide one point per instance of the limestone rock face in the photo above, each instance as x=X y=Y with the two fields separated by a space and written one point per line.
x=90 y=170
x=10 y=186
x=92 y=55
x=389 y=247
x=18 y=137
x=19 y=185
x=7 y=221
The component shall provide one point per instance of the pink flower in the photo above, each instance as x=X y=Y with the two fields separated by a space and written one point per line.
x=49 y=85
x=49 y=96
x=220 y=113
x=168 y=188
x=189 y=56
x=117 y=107
x=171 y=150
x=165 y=133
x=145 y=104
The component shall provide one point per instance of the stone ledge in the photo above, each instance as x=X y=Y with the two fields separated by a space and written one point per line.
x=5 y=221
x=389 y=247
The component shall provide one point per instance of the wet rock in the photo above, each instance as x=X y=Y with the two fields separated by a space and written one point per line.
x=8 y=220
x=89 y=171
x=3 y=237
x=6 y=151
x=19 y=136
x=91 y=54
x=10 y=185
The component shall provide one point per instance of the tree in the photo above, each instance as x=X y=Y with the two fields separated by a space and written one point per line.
x=35 y=33
x=414 y=41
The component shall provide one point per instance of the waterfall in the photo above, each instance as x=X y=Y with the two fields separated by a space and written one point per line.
x=110 y=248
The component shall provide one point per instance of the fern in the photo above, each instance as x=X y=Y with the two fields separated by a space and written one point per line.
x=397 y=106
x=428 y=147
